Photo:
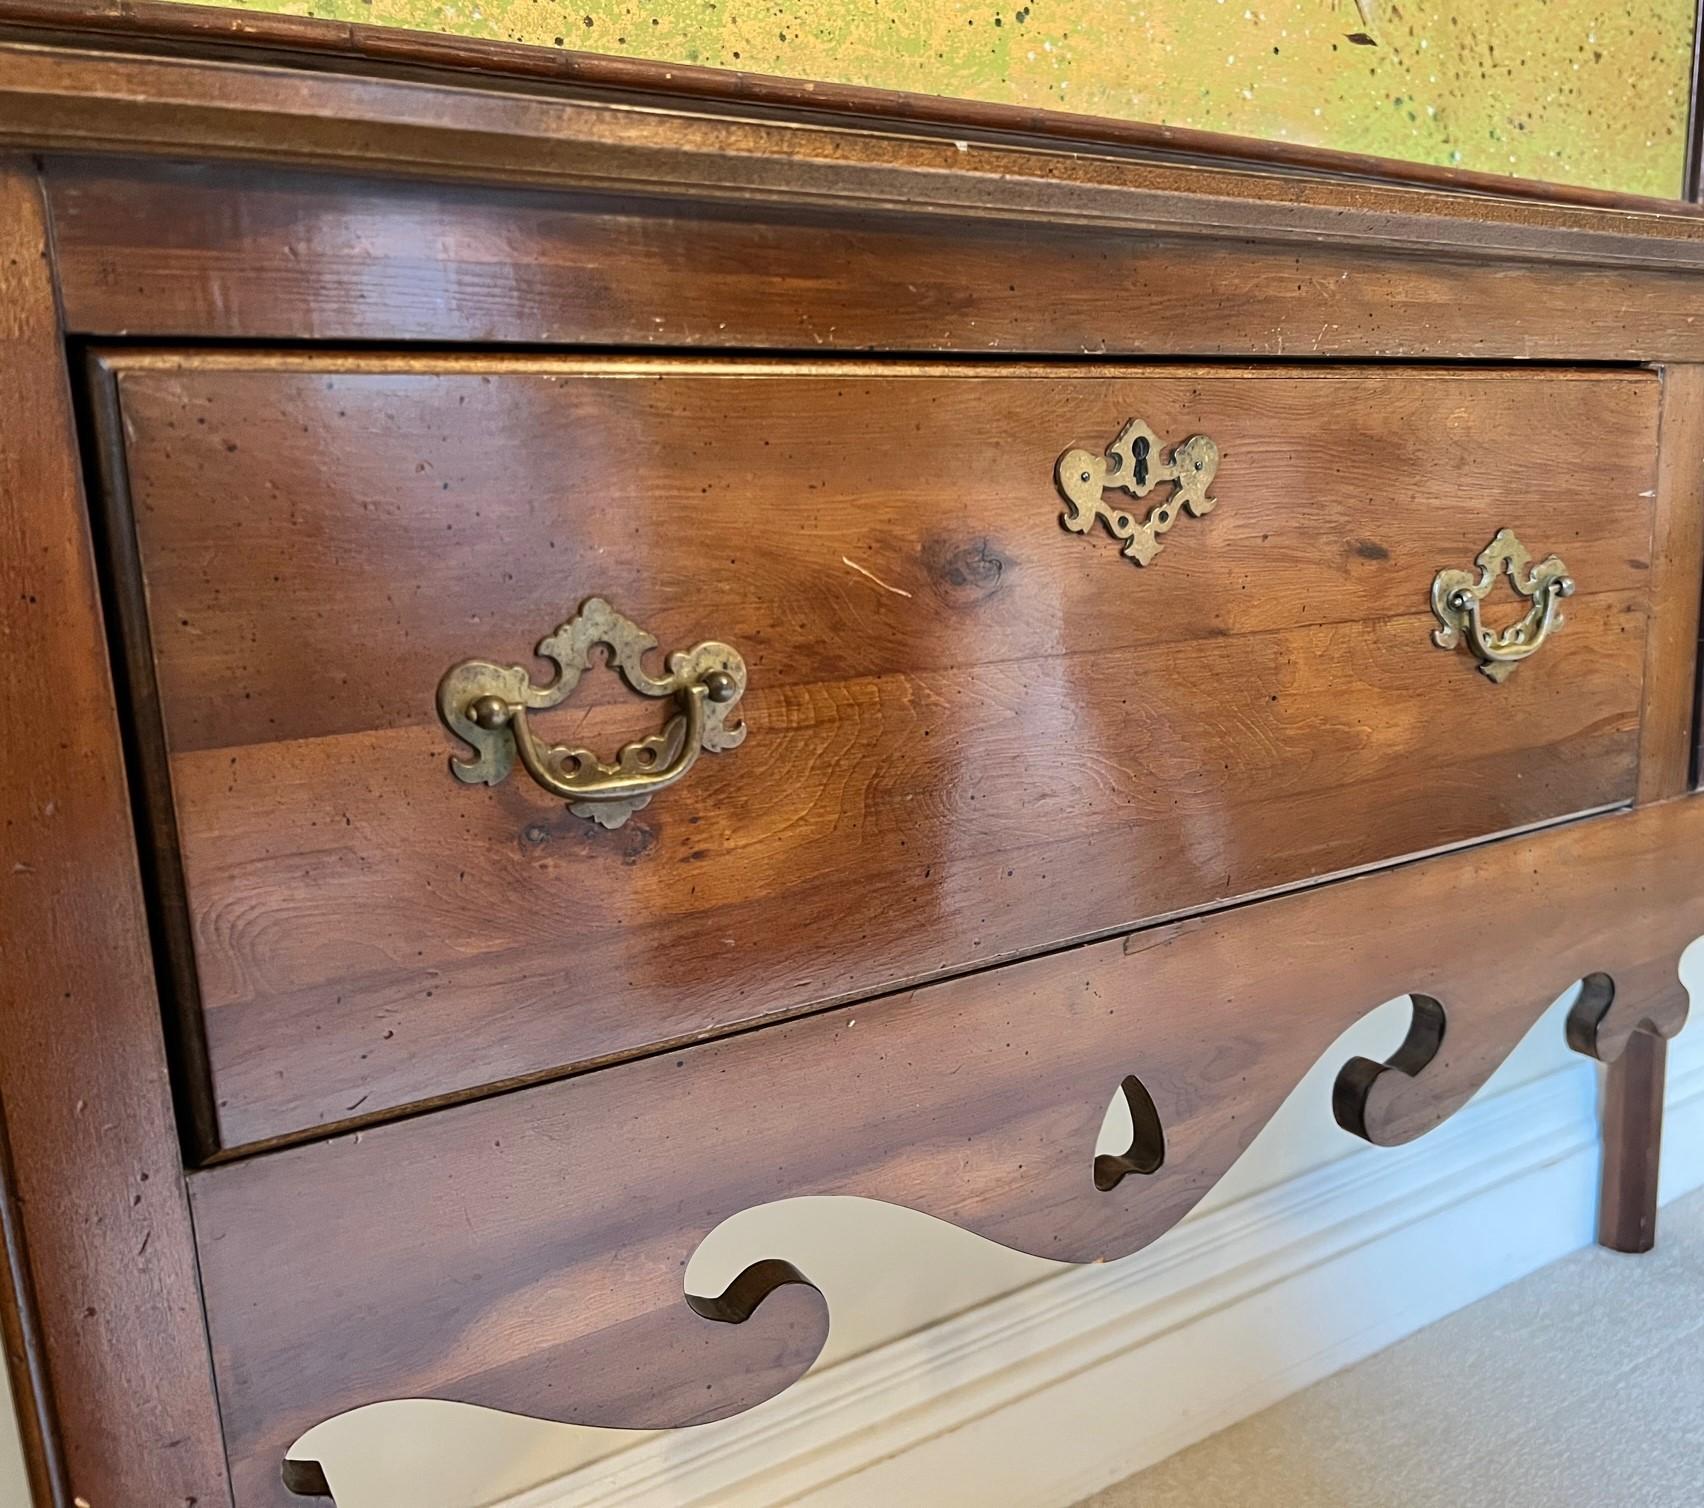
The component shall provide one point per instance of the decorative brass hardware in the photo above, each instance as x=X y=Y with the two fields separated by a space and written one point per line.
x=1131 y=463
x=1456 y=596
x=487 y=707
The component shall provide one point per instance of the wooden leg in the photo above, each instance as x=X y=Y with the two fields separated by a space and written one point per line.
x=1632 y=1144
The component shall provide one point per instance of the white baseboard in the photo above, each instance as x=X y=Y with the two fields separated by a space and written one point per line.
x=1042 y=1397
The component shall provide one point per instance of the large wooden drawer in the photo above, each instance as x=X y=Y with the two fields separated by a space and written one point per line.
x=973 y=735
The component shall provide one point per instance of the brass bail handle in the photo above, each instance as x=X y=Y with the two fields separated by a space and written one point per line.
x=488 y=707
x=1457 y=595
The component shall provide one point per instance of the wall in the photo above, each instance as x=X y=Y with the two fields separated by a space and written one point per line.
x=14 y=1483
x=1567 y=90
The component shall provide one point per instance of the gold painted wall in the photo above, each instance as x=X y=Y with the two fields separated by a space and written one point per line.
x=1569 y=90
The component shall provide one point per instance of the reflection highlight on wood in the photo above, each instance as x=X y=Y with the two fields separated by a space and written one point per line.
x=1006 y=750
x=526 y=1252
x=392 y=261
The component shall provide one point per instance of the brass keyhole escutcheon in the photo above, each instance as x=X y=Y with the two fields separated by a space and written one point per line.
x=1131 y=464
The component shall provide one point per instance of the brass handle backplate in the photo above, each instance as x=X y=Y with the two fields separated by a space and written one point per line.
x=1132 y=464
x=487 y=706
x=1456 y=596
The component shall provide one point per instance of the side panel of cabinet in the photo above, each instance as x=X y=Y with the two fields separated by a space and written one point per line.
x=102 y=1313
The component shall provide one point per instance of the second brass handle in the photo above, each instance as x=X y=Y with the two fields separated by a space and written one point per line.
x=1457 y=594
x=487 y=706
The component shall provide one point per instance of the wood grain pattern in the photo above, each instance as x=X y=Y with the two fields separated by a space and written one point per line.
x=220 y=31
x=102 y=1313
x=202 y=251
x=526 y=1252
x=974 y=737
x=1669 y=721
x=1011 y=739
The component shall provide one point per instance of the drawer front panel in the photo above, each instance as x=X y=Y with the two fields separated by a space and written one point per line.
x=972 y=734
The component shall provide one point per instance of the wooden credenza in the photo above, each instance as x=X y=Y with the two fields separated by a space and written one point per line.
x=589 y=647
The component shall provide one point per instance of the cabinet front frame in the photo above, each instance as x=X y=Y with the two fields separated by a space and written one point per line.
x=116 y=1395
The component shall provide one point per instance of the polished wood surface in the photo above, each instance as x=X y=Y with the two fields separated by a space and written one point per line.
x=190 y=252
x=526 y=1252
x=1089 y=750
x=221 y=31
x=973 y=735
x=444 y=128
x=99 y=1303
x=1633 y=1144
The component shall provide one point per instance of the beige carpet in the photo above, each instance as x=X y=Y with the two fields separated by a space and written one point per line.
x=1579 y=1387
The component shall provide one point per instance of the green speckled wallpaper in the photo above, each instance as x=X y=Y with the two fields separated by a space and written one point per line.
x=1569 y=90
